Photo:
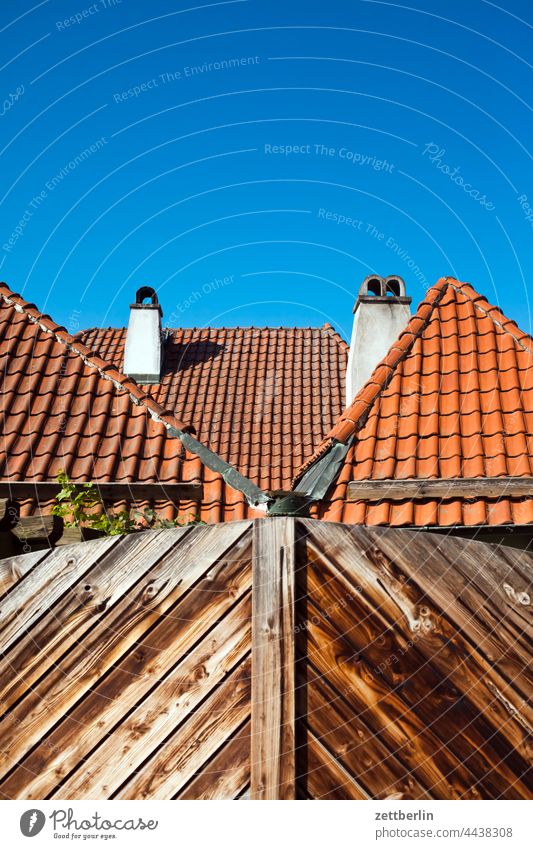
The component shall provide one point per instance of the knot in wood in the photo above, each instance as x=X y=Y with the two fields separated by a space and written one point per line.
x=518 y=596
x=424 y=622
x=149 y=592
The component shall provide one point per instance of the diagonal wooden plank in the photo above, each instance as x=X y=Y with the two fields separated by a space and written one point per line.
x=227 y=774
x=196 y=741
x=166 y=707
x=375 y=767
x=521 y=562
x=355 y=557
x=13 y=569
x=326 y=777
x=435 y=649
x=273 y=768
x=497 y=646
x=79 y=670
x=85 y=604
x=102 y=708
x=472 y=572
x=443 y=777
x=43 y=585
x=444 y=722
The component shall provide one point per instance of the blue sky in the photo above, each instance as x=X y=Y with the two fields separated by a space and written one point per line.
x=255 y=160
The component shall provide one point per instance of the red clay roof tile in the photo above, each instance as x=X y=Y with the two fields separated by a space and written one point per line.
x=471 y=371
x=261 y=397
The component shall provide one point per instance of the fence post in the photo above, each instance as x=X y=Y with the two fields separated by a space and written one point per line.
x=273 y=761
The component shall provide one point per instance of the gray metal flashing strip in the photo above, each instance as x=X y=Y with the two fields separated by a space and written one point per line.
x=253 y=494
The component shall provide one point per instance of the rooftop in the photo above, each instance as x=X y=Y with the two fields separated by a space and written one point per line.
x=453 y=398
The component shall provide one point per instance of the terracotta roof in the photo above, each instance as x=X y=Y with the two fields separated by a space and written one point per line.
x=262 y=398
x=453 y=398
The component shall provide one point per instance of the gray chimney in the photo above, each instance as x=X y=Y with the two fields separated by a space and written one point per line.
x=381 y=313
x=143 y=353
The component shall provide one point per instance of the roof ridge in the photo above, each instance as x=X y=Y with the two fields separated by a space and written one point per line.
x=317 y=329
x=356 y=414
x=106 y=370
x=502 y=321
x=330 y=330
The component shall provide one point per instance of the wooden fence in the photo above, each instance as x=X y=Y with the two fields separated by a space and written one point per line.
x=281 y=658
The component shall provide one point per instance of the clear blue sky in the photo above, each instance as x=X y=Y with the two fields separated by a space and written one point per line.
x=285 y=150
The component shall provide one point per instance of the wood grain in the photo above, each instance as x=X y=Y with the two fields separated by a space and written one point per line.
x=13 y=569
x=273 y=764
x=168 y=665
x=111 y=638
x=87 y=602
x=326 y=777
x=227 y=775
x=110 y=491
x=362 y=753
x=163 y=710
x=393 y=489
x=434 y=648
x=196 y=740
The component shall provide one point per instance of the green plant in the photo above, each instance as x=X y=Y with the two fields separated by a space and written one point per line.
x=80 y=505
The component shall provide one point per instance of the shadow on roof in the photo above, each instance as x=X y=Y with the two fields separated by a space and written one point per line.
x=179 y=357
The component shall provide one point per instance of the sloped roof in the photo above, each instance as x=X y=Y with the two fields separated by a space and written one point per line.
x=453 y=398
x=261 y=397
x=248 y=393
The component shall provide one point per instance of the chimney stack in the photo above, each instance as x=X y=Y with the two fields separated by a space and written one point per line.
x=143 y=353
x=381 y=313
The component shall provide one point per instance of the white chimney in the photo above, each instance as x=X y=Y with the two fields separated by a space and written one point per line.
x=381 y=313
x=143 y=353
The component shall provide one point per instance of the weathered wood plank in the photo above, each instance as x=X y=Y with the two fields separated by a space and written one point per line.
x=361 y=752
x=273 y=768
x=43 y=585
x=80 y=669
x=120 y=686
x=354 y=553
x=488 y=571
x=398 y=490
x=149 y=725
x=227 y=776
x=75 y=534
x=439 y=715
x=196 y=741
x=432 y=646
x=439 y=772
x=13 y=569
x=39 y=530
x=105 y=703
x=326 y=777
x=109 y=491
x=497 y=643
x=90 y=599
x=521 y=562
